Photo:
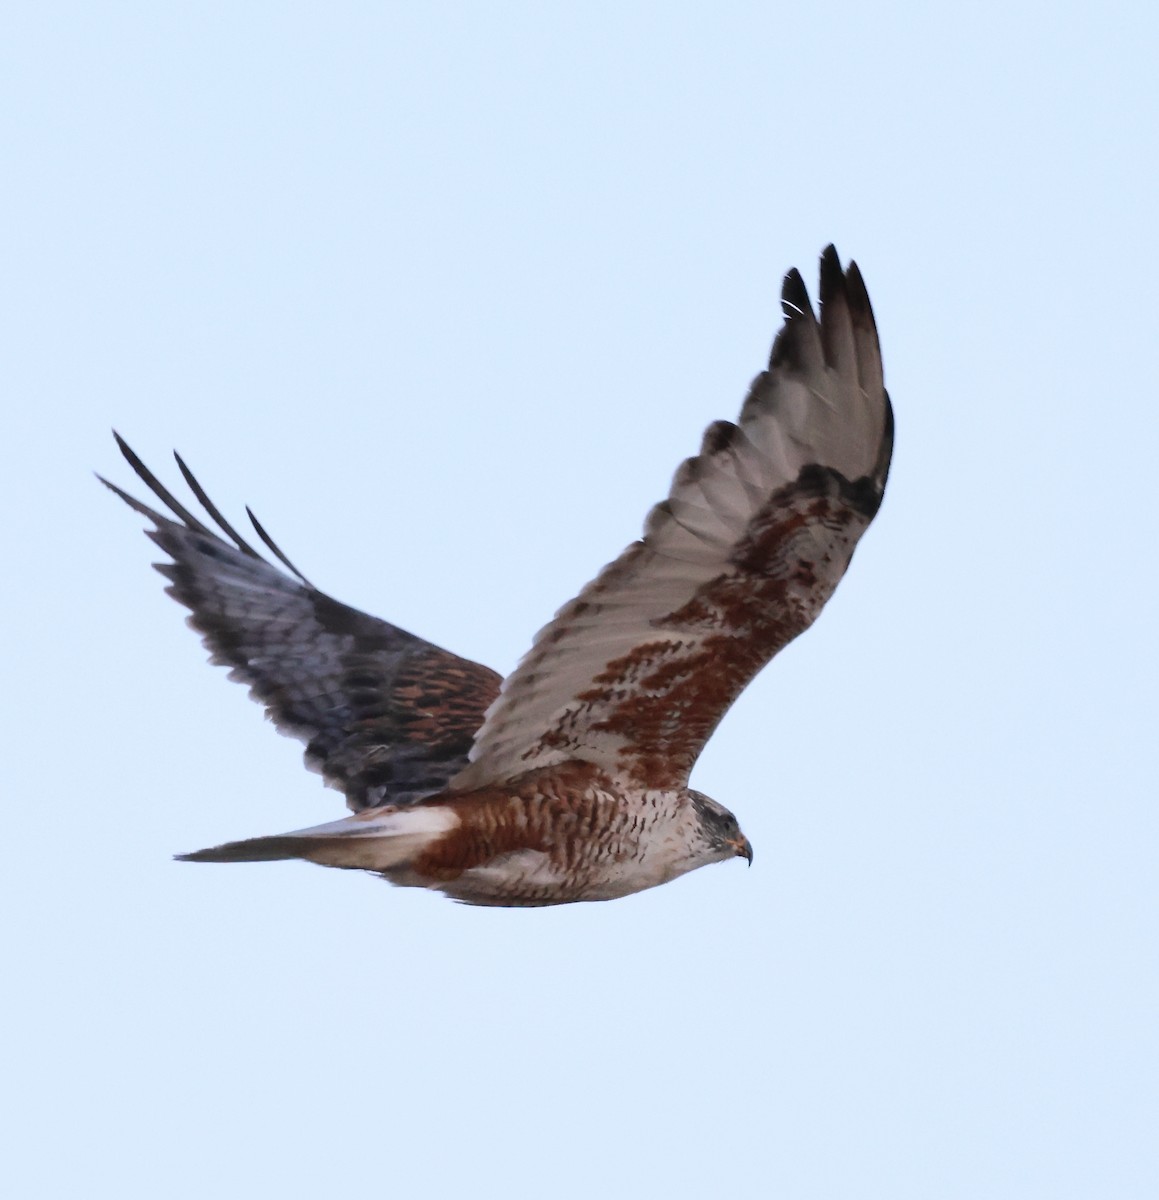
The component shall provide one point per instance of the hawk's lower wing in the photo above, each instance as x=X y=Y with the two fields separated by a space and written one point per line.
x=387 y=717
x=637 y=671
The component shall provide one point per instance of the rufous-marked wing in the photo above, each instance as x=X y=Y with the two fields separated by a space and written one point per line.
x=637 y=671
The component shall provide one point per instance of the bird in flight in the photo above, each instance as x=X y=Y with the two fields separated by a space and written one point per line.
x=568 y=780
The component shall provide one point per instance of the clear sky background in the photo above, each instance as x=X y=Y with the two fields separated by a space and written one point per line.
x=446 y=292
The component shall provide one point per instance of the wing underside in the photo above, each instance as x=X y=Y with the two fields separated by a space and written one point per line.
x=757 y=531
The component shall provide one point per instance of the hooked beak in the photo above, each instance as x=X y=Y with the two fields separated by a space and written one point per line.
x=743 y=848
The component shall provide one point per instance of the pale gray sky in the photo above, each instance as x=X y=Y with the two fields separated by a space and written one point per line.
x=446 y=291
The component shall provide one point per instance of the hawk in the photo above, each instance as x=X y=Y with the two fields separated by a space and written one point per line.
x=568 y=780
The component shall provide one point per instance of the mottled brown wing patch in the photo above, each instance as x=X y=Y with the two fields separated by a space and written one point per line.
x=387 y=717
x=663 y=701
x=636 y=672
x=411 y=730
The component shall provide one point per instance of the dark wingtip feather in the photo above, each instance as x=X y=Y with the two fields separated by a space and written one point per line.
x=273 y=547
x=832 y=276
x=794 y=296
x=793 y=344
x=158 y=488
x=213 y=510
x=858 y=296
x=718 y=436
x=131 y=501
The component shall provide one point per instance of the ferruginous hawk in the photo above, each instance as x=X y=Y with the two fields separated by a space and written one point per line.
x=568 y=780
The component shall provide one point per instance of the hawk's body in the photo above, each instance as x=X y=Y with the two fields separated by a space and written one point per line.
x=551 y=836
x=570 y=781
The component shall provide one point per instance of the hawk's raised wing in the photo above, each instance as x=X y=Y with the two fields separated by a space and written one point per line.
x=387 y=717
x=637 y=671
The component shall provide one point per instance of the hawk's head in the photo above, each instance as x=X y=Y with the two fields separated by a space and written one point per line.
x=719 y=830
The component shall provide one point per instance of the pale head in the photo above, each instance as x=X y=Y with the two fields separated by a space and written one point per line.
x=718 y=830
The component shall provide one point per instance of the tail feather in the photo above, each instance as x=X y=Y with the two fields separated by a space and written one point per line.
x=377 y=839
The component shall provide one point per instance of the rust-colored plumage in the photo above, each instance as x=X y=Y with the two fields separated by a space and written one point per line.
x=570 y=781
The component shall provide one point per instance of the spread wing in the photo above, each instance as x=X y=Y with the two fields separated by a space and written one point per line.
x=637 y=671
x=387 y=717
